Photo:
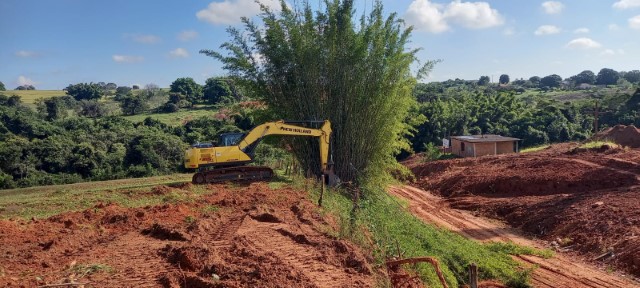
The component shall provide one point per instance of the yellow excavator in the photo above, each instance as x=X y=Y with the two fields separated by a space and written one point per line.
x=227 y=161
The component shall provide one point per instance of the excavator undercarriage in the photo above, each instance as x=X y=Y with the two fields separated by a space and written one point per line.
x=241 y=173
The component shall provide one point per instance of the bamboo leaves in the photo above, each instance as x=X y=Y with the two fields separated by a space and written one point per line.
x=322 y=65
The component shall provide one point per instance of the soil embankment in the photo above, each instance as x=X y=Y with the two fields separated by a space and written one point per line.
x=234 y=237
x=583 y=203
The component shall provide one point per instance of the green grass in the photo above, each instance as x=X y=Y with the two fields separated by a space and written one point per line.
x=176 y=118
x=391 y=227
x=45 y=201
x=597 y=144
x=30 y=96
x=535 y=148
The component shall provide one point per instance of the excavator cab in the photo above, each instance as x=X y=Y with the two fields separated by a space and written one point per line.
x=230 y=139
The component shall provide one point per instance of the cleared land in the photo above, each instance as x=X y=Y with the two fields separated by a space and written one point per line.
x=30 y=96
x=176 y=118
x=581 y=202
x=202 y=236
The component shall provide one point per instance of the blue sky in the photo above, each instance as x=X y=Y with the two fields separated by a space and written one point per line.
x=54 y=43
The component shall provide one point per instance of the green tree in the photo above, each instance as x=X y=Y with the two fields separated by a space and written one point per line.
x=216 y=89
x=632 y=76
x=25 y=87
x=2 y=88
x=91 y=109
x=133 y=105
x=189 y=88
x=54 y=108
x=85 y=91
x=484 y=80
x=607 y=76
x=586 y=76
x=324 y=65
x=535 y=81
x=551 y=81
x=504 y=79
x=110 y=86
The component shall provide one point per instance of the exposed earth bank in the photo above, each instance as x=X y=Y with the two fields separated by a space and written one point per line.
x=246 y=236
x=584 y=201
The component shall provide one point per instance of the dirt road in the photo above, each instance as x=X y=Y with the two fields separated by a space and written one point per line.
x=559 y=271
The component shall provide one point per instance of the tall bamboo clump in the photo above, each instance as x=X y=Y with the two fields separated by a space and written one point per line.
x=316 y=65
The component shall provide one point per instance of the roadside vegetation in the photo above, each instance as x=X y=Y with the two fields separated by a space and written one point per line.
x=384 y=226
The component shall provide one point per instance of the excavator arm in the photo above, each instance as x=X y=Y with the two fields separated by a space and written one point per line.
x=248 y=143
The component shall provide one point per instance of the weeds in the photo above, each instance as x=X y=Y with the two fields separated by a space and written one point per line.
x=514 y=249
x=384 y=226
x=598 y=144
x=534 y=148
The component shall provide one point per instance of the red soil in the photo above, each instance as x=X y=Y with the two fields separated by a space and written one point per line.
x=255 y=237
x=584 y=201
x=624 y=135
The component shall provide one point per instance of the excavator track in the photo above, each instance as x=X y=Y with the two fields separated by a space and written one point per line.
x=241 y=173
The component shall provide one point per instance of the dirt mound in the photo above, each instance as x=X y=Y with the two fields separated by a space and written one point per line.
x=517 y=176
x=585 y=202
x=232 y=237
x=624 y=135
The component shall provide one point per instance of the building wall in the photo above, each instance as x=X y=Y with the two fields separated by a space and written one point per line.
x=485 y=148
x=481 y=149
x=506 y=147
x=455 y=147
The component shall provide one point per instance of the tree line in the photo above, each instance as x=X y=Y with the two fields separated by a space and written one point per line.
x=37 y=149
x=464 y=109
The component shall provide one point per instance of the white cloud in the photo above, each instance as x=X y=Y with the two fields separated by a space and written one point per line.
x=143 y=38
x=179 y=53
x=230 y=11
x=473 y=15
x=427 y=16
x=583 y=43
x=552 y=7
x=22 y=80
x=634 y=22
x=187 y=35
x=547 y=30
x=127 y=58
x=27 y=54
x=581 y=30
x=614 y=27
x=437 y=18
x=626 y=4
x=611 y=52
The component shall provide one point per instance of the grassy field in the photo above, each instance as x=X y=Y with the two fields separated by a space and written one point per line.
x=45 y=201
x=30 y=96
x=176 y=118
x=575 y=95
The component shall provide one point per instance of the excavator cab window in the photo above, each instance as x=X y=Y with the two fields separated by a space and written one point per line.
x=230 y=139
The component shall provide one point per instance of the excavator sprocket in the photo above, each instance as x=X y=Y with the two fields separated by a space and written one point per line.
x=241 y=173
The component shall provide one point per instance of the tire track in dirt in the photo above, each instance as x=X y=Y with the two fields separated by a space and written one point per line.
x=266 y=237
x=136 y=258
x=225 y=232
x=559 y=271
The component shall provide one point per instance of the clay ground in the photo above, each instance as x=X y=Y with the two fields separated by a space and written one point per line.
x=231 y=236
x=585 y=204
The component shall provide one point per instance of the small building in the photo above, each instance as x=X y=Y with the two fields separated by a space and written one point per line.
x=480 y=145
